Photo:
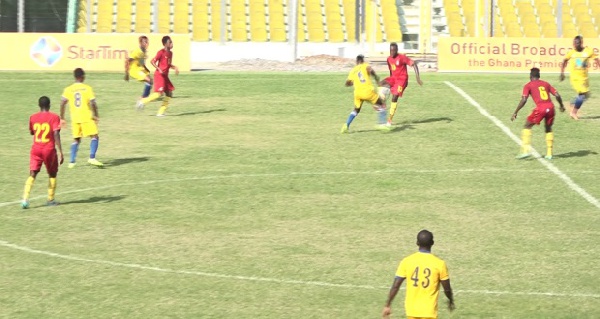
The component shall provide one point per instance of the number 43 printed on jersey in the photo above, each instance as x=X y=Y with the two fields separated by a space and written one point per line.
x=421 y=278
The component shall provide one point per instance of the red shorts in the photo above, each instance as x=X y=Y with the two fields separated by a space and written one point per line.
x=47 y=156
x=542 y=112
x=162 y=83
x=397 y=85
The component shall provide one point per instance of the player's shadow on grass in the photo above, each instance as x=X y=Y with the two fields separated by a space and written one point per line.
x=580 y=153
x=95 y=199
x=197 y=112
x=123 y=161
x=431 y=120
x=596 y=117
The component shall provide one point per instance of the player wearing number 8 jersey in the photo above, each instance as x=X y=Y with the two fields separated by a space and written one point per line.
x=544 y=110
x=423 y=272
x=45 y=128
x=364 y=91
x=84 y=116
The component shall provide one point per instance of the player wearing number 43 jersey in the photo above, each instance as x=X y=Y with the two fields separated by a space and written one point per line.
x=84 y=116
x=423 y=273
x=45 y=128
x=544 y=110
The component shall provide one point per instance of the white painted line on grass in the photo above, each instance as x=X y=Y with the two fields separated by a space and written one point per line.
x=273 y=280
x=233 y=176
x=578 y=189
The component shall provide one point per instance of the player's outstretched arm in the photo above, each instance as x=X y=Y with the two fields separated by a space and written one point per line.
x=348 y=83
x=58 y=143
x=562 y=69
x=372 y=72
x=387 y=309
x=560 y=101
x=449 y=294
x=519 y=107
x=127 y=61
x=63 y=103
x=417 y=74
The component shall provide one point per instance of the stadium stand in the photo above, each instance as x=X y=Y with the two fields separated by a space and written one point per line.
x=104 y=17
x=124 y=11
x=200 y=20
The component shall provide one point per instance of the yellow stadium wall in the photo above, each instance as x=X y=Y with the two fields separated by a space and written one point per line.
x=507 y=54
x=92 y=52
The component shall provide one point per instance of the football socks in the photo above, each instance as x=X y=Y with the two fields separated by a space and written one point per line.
x=549 y=143
x=74 y=149
x=51 y=188
x=393 y=107
x=526 y=138
x=93 y=147
x=28 y=187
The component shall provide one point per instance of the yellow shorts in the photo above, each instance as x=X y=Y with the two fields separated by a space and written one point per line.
x=138 y=74
x=362 y=96
x=420 y=318
x=84 y=129
x=580 y=86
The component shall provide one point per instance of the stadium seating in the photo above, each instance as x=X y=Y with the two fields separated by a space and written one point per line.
x=143 y=23
x=124 y=10
x=277 y=20
x=200 y=20
x=181 y=17
x=104 y=16
x=258 y=21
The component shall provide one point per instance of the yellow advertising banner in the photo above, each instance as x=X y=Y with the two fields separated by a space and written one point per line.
x=92 y=52
x=507 y=54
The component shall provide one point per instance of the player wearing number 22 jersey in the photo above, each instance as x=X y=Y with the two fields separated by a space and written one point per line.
x=45 y=128
x=84 y=116
x=544 y=110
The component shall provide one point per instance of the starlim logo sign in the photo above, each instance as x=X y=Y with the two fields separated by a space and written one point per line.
x=46 y=51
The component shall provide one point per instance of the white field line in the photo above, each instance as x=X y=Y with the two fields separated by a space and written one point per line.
x=576 y=188
x=273 y=280
x=234 y=176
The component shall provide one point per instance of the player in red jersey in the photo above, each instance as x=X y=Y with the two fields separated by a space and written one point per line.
x=544 y=110
x=45 y=128
x=398 y=79
x=162 y=62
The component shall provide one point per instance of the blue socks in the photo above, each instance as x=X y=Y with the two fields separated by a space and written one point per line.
x=93 y=147
x=382 y=116
x=351 y=118
x=578 y=102
x=147 y=88
x=74 y=149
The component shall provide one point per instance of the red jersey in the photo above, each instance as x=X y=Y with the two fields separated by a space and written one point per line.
x=163 y=58
x=397 y=66
x=42 y=126
x=540 y=92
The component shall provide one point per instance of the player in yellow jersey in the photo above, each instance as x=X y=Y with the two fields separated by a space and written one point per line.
x=364 y=90
x=580 y=57
x=84 y=116
x=425 y=273
x=135 y=66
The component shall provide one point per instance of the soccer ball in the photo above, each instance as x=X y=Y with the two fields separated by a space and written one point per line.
x=383 y=92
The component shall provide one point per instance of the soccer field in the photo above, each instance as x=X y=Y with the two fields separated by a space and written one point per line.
x=247 y=202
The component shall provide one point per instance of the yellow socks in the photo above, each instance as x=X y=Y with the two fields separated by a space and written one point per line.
x=549 y=143
x=164 y=106
x=526 y=138
x=51 y=188
x=28 y=187
x=393 y=107
x=150 y=98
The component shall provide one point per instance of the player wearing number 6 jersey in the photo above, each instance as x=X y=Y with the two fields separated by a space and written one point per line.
x=45 y=128
x=360 y=78
x=544 y=110
x=84 y=116
x=423 y=272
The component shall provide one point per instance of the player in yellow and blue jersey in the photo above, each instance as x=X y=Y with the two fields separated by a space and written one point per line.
x=425 y=272
x=84 y=116
x=364 y=90
x=135 y=66
x=580 y=57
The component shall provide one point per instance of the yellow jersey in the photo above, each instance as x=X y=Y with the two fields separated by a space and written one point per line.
x=79 y=96
x=361 y=79
x=139 y=58
x=423 y=272
x=580 y=62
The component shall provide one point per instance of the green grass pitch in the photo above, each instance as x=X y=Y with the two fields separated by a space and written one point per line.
x=247 y=202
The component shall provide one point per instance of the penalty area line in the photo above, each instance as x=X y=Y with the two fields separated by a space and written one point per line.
x=272 y=280
x=551 y=167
